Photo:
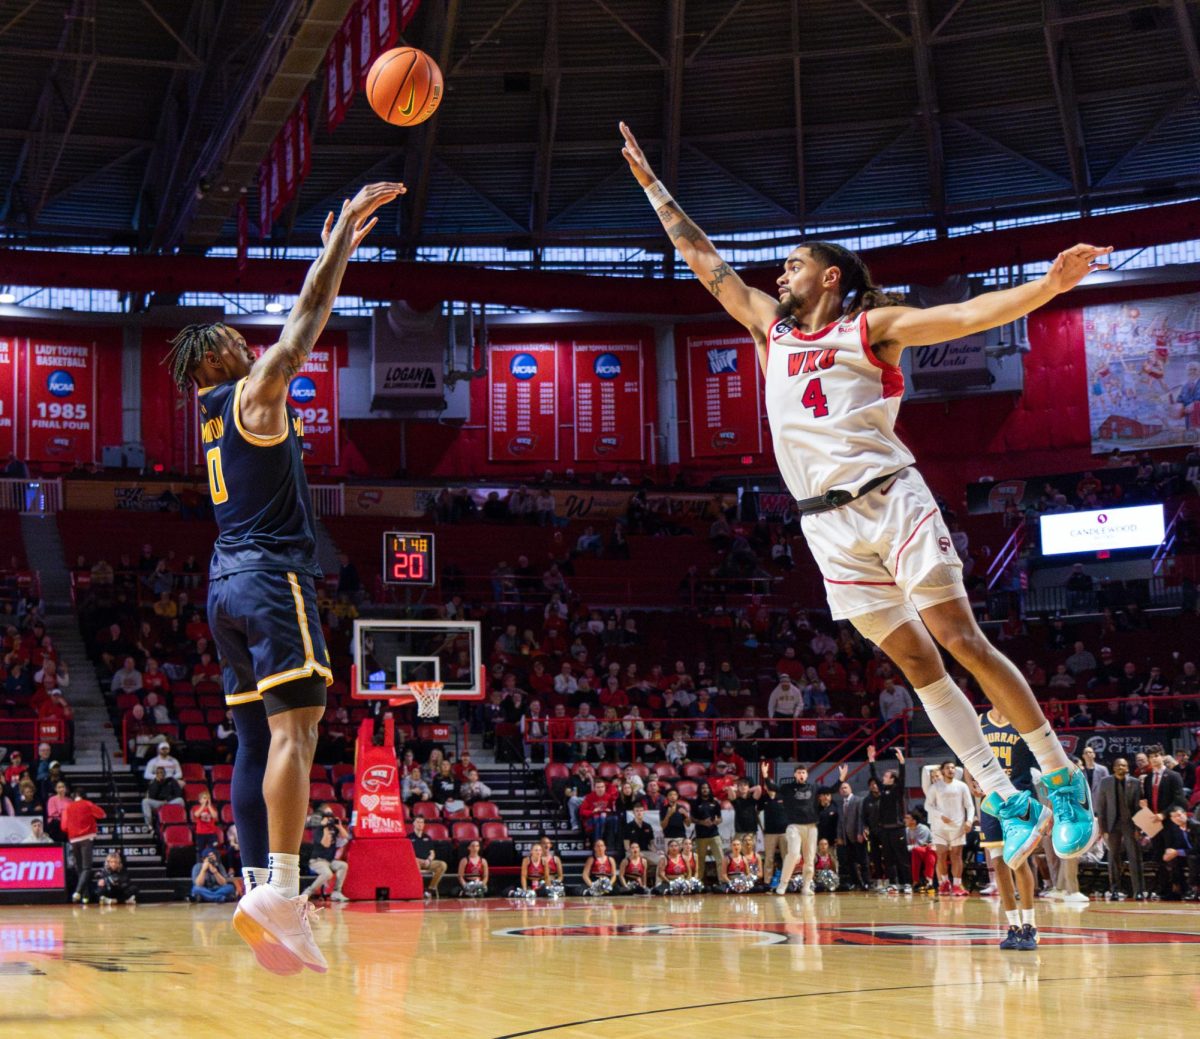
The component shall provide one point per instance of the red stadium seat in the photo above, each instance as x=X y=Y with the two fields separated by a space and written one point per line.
x=556 y=770
x=482 y=810
x=695 y=770
x=171 y=815
x=191 y=716
x=641 y=770
x=318 y=773
x=495 y=831
x=437 y=832
x=321 y=792
x=339 y=810
x=179 y=850
x=687 y=788
x=214 y=716
x=346 y=791
x=197 y=734
x=427 y=810
x=462 y=832
x=192 y=791
x=227 y=814
x=177 y=835
x=222 y=773
x=608 y=770
x=665 y=770
x=458 y=813
x=182 y=700
x=126 y=702
x=193 y=772
x=340 y=772
x=222 y=792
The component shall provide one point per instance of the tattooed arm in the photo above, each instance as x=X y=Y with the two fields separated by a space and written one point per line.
x=750 y=307
x=266 y=387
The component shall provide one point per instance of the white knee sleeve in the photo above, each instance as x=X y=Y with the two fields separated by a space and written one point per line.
x=940 y=584
x=879 y=624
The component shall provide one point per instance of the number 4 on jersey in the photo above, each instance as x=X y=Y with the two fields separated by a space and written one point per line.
x=814 y=399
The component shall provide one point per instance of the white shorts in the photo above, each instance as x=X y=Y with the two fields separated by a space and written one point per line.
x=878 y=550
x=948 y=838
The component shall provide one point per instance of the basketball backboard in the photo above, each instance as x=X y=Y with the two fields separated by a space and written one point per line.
x=389 y=654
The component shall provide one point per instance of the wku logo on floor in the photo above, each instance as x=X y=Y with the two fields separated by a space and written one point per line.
x=847 y=934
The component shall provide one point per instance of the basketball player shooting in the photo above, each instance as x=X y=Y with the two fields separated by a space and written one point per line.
x=262 y=602
x=829 y=347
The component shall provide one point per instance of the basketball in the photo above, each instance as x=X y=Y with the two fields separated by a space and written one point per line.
x=404 y=86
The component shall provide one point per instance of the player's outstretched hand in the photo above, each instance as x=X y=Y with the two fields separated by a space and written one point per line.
x=358 y=209
x=636 y=158
x=843 y=773
x=871 y=753
x=1072 y=265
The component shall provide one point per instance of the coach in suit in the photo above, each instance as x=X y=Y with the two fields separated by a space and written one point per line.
x=1116 y=806
x=1161 y=787
x=851 y=836
x=1093 y=770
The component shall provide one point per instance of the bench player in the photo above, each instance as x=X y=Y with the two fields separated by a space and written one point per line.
x=830 y=347
x=262 y=603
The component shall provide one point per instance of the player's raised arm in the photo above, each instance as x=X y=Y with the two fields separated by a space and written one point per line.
x=268 y=381
x=908 y=326
x=748 y=306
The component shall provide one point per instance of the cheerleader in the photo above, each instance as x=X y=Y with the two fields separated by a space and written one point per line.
x=599 y=872
x=672 y=877
x=554 y=867
x=825 y=876
x=737 y=871
x=695 y=883
x=753 y=863
x=533 y=875
x=472 y=873
x=633 y=875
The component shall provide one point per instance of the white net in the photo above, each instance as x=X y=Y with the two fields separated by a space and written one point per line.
x=427 y=695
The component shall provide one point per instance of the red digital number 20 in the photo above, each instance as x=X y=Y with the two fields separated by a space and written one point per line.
x=814 y=399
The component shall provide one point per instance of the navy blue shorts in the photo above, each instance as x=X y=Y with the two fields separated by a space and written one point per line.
x=989 y=827
x=267 y=630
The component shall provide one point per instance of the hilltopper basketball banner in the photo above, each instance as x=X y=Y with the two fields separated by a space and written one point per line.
x=608 y=401
x=8 y=396
x=724 y=396
x=1143 y=367
x=60 y=394
x=313 y=392
x=523 y=403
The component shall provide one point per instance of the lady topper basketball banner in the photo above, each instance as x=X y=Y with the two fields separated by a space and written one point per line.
x=724 y=396
x=8 y=396
x=523 y=402
x=60 y=396
x=609 y=383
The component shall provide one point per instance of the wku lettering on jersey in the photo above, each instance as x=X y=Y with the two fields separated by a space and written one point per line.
x=805 y=361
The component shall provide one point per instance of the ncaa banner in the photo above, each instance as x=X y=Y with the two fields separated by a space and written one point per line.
x=608 y=401
x=523 y=403
x=313 y=393
x=8 y=395
x=724 y=396
x=60 y=390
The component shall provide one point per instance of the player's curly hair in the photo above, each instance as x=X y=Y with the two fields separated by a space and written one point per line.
x=859 y=292
x=188 y=349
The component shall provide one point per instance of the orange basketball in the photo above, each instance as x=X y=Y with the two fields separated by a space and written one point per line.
x=404 y=86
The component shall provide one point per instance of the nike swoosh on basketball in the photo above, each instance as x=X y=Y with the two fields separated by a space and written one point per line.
x=407 y=109
x=886 y=489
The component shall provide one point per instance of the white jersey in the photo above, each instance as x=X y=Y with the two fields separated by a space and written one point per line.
x=952 y=800
x=832 y=406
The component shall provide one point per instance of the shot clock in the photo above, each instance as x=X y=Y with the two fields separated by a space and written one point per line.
x=408 y=558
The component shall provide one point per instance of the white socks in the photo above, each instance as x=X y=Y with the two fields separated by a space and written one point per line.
x=1047 y=748
x=1027 y=917
x=284 y=873
x=1014 y=917
x=958 y=724
x=254 y=876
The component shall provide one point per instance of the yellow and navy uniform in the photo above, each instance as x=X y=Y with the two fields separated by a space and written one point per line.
x=1018 y=762
x=262 y=602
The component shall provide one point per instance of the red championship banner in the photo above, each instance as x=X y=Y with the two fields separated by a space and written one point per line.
x=724 y=396
x=347 y=43
x=288 y=165
x=408 y=10
x=303 y=138
x=243 y=233
x=364 y=27
x=335 y=111
x=8 y=396
x=608 y=401
x=523 y=403
x=387 y=29
x=313 y=392
x=60 y=391
x=265 y=203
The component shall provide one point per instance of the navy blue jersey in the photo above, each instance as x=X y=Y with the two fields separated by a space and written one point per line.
x=259 y=490
x=1011 y=751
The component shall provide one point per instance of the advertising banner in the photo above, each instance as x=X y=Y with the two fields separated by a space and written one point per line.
x=1143 y=371
x=608 y=401
x=724 y=396
x=1102 y=530
x=523 y=403
x=32 y=867
x=8 y=396
x=378 y=810
x=60 y=395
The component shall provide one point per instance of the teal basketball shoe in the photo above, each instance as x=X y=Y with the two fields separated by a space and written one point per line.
x=1075 y=823
x=1023 y=822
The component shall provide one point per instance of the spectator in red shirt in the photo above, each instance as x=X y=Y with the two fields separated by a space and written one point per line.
x=612 y=695
x=207 y=670
x=790 y=665
x=154 y=679
x=16 y=765
x=541 y=682
x=204 y=820
x=832 y=673
x=596 y=813
x=732 y=760
x=79 y=824
x=561 y=729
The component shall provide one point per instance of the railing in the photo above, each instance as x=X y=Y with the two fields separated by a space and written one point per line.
x=1156 y=592
x=38 y=496
x=1167 y=546
x=110 y=792
x=328 y=499
x=20 y=734
x=1006 y=555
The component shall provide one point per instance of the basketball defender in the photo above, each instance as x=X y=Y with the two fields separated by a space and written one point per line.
x=829 y=347
x=262 y=603
x=1014 y=757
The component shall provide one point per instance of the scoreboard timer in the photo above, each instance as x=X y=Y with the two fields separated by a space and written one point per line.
x=408 y=558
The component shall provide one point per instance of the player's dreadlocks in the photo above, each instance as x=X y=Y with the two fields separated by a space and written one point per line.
x=859 y=293
x=188 y=349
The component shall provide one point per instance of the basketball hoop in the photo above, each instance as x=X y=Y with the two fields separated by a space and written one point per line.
x=427 y=695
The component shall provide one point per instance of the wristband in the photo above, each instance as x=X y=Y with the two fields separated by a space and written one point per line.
x=658 y=195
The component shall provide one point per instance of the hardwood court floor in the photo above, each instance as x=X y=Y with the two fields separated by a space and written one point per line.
x=845 y=965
